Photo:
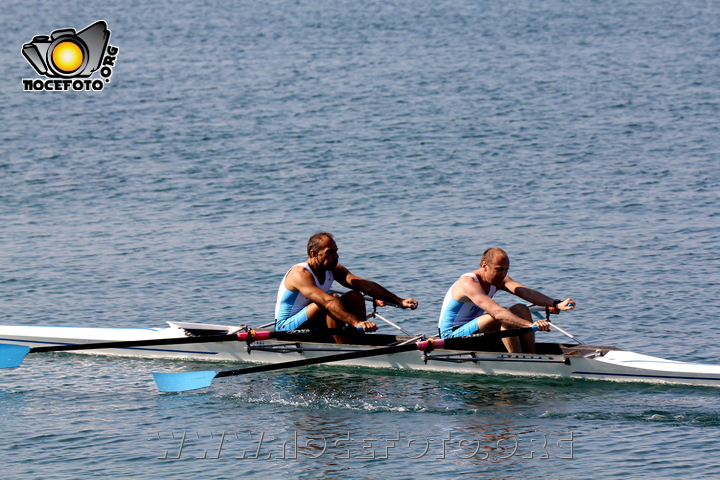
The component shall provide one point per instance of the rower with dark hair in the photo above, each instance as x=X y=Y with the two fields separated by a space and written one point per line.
x=303 y=299
x=468 y=306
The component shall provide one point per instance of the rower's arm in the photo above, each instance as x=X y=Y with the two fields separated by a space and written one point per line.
x=301 y=280
x=467 y=288
x=535 y=297
x=527 y=294
x=375 y=290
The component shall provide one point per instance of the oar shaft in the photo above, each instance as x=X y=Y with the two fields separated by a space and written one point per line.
x=376 y=315
x=568 y=334
x=325 y=359
x=137 y=343
x=240 y=336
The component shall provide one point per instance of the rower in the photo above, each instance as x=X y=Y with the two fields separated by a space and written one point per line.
x=303 y=300
x=468 y=306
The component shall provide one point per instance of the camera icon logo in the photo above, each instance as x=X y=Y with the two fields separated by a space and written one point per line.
x=68 y=58
x=68 y=54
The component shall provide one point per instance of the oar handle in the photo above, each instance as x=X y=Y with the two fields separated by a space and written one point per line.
x=382 y=303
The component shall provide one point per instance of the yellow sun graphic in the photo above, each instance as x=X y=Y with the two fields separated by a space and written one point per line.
x=67 y=56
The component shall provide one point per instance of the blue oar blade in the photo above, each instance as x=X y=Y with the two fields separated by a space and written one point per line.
x=179 y=382
x=12 y=355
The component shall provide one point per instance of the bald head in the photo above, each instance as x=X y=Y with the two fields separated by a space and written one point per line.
x=492 y=256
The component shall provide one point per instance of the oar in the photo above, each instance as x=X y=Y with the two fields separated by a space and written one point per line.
x=536 y=309
x=568 y=334
x=182 y=381
x=374 y=314
x=13 y=355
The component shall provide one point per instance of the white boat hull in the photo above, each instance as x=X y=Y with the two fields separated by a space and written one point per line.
x=568 y=361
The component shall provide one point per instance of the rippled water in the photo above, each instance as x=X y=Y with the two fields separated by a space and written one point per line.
x=582 y=138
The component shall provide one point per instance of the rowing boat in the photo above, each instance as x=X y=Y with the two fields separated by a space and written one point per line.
x=477 y=355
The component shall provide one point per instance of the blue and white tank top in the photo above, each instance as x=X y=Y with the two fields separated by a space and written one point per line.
x=289 y=302
x=456 y=314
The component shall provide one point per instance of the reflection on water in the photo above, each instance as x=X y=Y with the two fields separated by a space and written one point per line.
x=327 y=421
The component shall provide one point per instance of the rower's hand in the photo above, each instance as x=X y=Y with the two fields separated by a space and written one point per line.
x=568 y=304
x=367 y=326
x=543 y=325
x=410 y=303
